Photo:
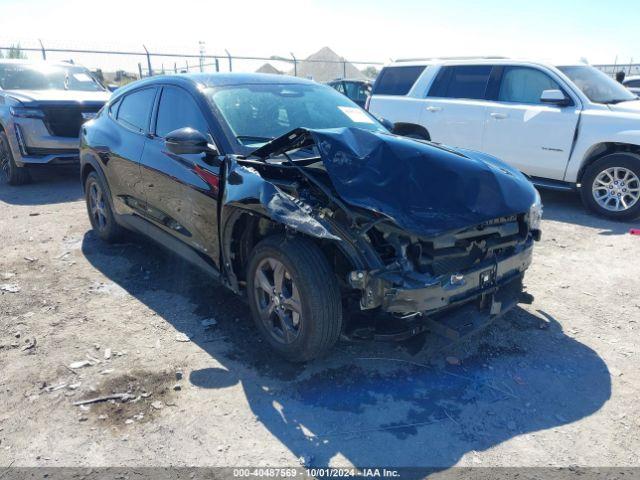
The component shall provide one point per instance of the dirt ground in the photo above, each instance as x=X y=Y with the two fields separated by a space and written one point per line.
x=553 y=383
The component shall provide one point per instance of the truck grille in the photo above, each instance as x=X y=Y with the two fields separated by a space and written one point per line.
x=65 y=121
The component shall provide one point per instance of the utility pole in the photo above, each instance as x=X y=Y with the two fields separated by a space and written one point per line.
x=42 y=49
x=201 y=46
x=148 y=61
x=230 y=60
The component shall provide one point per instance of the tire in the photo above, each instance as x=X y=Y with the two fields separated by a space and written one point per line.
x=319 y=320
x=99 y=209
x=10 y=173
x=627 y=165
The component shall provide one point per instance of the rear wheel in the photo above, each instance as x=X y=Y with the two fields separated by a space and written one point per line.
x=294 y=297
x=99 y=210
x=611 y=186
x=10 y=173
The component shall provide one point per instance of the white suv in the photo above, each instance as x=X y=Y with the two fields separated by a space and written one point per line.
x=566 y=127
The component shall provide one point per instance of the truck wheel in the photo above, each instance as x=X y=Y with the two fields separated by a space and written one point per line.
x=611 y=186
x=99 y=209
x=294 y=297
x=10 y=173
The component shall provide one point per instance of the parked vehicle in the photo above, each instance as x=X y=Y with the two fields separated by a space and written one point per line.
x=42 y=105
x=306 y=222
x=569 y=127
x=357 y=90
x=632 y=83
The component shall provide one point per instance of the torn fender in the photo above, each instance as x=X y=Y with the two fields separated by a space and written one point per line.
x=246 y=189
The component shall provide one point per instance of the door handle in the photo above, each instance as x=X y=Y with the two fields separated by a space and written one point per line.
x=431 y=108
x=499 y=116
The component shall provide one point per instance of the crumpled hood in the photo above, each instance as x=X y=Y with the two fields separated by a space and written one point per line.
x=46 y=96
x=423 y=188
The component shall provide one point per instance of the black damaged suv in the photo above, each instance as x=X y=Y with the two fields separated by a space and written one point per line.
x=293 y=196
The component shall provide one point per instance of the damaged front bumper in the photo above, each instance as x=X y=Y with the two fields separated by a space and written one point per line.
x=410 y=292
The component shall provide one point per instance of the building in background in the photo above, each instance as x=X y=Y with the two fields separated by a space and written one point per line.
x=326 y=65
x=268 y=68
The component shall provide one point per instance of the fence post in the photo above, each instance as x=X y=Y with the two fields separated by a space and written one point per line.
x=217 y=65
x=295 y=64
x=148 y=61
x=230 y=61
x=44 y=52
x=344 y=68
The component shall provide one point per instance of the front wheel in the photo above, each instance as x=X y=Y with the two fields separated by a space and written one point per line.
x=611 y=186
x=294 y=297
x=10 y=173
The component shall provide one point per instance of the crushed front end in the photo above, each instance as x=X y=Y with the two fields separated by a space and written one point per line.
x=429 y=231
x=483 y=264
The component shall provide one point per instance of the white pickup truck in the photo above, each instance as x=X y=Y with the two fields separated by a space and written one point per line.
x=566 y=127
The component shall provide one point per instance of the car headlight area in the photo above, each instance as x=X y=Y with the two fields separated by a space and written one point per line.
x=535 y=216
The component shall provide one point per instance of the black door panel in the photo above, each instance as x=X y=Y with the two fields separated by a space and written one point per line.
x=126 y=145
x=181 y=191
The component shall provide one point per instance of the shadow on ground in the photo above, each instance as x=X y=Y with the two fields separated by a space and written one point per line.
x=372 y=404
x=49 y=185
x=567 y=207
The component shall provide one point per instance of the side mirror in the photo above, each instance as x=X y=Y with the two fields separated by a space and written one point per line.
x=187 y=140
x=554 y=97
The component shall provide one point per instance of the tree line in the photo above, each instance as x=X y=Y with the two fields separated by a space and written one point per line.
x=14 y=51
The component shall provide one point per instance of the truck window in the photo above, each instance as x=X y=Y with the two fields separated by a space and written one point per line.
x=524 y=85
x=396 y=80
x=465 y=81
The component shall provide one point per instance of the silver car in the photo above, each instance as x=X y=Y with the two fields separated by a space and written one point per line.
x=42 y=107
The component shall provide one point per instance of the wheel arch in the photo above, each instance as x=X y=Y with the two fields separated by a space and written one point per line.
x=602 y=149
x=241 y=229
x=90 y=164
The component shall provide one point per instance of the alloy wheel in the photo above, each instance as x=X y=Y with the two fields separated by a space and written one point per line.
x=278 y=300
x=97 y=206
x=616 y=189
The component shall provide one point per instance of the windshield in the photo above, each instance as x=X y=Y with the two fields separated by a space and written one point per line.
x=596 y=85
x=258 y=113
x=47 y=77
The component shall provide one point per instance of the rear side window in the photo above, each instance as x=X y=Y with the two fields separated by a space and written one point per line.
x=466 y=81
x=135 y=109
x=178 y=109
x=396 y=80
x=632 y=83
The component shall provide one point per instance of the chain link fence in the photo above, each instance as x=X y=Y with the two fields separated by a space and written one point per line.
x=120 y=66
x=612 y=68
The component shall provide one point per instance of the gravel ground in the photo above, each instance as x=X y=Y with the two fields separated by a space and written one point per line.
x=552 y=383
